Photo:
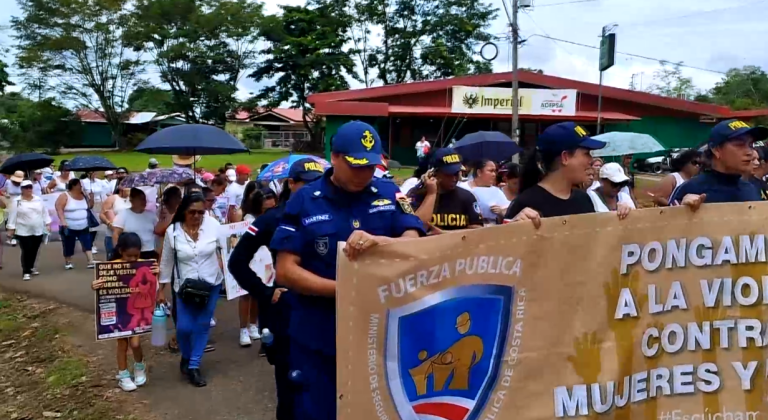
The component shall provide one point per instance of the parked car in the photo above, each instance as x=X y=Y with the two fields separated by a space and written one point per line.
x=657 y=164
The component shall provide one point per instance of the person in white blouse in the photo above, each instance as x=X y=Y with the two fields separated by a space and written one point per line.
x=12 y=190
x=192 y=257
x=27 y=223
x=137 y=219
x=609 y=196
x=38 y=183
x=492 y=201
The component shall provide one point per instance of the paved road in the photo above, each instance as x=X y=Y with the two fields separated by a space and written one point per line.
x=240 y=384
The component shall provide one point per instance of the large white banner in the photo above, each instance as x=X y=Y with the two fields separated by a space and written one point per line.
x=491 y=100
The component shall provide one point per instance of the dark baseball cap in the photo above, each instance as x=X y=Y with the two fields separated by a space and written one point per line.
x=306 y=169
x=446 y=160
x=730 y=129
x=558 y=138
x=359 y=143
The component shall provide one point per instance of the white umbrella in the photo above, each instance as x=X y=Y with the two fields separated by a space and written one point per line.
x=622 y=144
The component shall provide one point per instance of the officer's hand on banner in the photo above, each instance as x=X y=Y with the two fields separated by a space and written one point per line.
x=529 y=214
x=623 y=209
x=359 y=241
x=694 y=201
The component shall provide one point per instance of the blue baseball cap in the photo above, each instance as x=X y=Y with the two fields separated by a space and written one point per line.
x=359 y=143
x=446 y=160
x=563 y=136
x=730 y=129
x=306 y=169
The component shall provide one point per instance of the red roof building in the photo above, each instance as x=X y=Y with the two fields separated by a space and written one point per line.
x=404 y=113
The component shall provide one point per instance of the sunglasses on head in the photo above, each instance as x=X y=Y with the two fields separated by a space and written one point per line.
x=26 y=187
x=197 y=212
x=618 y=184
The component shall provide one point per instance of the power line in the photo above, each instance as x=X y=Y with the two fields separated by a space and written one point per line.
x=564 y=3
x=659 y=60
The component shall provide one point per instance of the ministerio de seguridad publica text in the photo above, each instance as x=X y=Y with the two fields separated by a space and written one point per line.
x=675 y=338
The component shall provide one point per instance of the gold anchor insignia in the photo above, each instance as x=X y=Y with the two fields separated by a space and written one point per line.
x=368 y=140
x=457 y=360
x=356 y=224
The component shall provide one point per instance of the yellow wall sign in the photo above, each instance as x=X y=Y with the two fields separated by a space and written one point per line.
x=662 y=317
x=485 y=100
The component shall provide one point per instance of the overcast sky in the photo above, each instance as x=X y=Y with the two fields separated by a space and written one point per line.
x=709 y=34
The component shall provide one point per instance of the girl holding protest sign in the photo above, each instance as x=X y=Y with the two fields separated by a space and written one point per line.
x=128 y=249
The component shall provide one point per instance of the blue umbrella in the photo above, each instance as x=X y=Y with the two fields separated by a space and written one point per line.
x=191 y=140
x=491 y=145
x=622 y=144
x=279 y=168
x=90 y=164
x=25 y=162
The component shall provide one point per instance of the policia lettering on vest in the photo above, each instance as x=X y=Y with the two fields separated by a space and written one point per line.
x=438 y=200
x=346 y=204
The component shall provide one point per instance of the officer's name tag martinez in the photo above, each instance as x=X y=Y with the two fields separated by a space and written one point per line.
x=316 y=218
x=388 y=207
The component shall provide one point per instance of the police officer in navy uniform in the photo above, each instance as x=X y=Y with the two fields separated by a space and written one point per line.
x=274 y=311
x=346 y=204
x=730 y=153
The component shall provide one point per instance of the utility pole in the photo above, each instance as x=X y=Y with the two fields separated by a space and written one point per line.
x=515 y=84
x=607 y=60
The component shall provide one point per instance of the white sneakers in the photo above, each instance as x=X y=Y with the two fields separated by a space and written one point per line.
x=248 y=335
x=139 y=374
x=127 y=384
x=94 y=251
x=213 y=322
x=245 y=338
x=69 y=266
x=253 y=331
x=35 y=272
x=26 y=277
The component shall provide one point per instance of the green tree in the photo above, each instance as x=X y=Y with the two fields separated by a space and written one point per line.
x=5 y=78
x=305 y=54
x=78 y=43
x=36 y=125
x=742 y=89
x=669 y=81
x=427 y=39
x=200 y=47
x=148 y=98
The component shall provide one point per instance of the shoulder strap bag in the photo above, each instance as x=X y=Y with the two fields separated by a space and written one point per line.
x=193 y=292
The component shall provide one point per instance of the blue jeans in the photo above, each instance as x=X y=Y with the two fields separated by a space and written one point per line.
x=193 y=324
x=108 y=246
x=70 y=237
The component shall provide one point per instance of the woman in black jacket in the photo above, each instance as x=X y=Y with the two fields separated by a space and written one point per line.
x=274 y=311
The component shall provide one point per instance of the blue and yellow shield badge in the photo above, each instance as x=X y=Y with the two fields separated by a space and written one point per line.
x=445 y=350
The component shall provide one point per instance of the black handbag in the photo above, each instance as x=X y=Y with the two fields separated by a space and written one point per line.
x=194 y=292
x=93 y=222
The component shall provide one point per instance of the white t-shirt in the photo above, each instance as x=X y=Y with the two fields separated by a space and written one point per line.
x=408 y=184
x=488 y=197
x=600 y=206
x=420 y=145
x=142 y=224
x=235 y=193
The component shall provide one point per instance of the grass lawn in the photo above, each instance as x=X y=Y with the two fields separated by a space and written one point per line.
x=138 y=161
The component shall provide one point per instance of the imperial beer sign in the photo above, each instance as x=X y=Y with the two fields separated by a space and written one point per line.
x=487 y=100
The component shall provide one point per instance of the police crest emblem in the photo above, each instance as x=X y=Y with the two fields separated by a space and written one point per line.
x=444 y=351
x=321 y=245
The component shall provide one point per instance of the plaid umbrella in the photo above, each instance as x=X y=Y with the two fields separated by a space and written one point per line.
x=157 y=177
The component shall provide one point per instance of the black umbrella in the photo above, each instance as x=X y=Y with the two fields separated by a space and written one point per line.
x=492 y=145
x=25 y=162
x=90 y=164
x=191 y=140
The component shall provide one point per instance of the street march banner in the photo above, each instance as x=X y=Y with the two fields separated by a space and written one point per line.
x=125 y=302
x=661 y=316
x=229 y=235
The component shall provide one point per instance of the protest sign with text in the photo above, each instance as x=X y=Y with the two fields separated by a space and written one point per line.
x=126 y=299
x=661 y=316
